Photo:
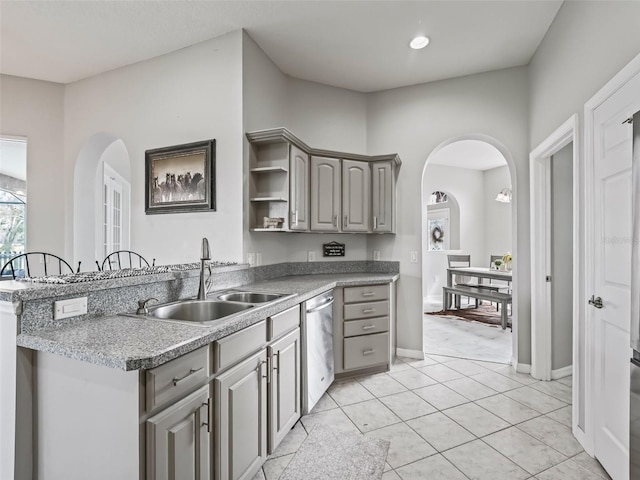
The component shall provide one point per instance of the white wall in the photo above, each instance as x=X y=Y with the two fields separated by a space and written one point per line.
x=189 y=95
x=497 y=215
x=34 y=109
x=414 y=121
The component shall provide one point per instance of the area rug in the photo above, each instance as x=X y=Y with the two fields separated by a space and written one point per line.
x=327 y=454
x=484 y=314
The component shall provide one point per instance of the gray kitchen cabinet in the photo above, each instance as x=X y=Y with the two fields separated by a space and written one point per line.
x=326 y=190
x=178 y=440
x=356 y=196
x=298 y=189
x=284 y=387
x=240 y=443
x=383 y=188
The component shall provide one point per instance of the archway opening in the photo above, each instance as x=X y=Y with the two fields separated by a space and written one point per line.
x=468 y=215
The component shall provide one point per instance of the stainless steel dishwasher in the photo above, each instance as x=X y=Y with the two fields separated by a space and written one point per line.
x=317 y=349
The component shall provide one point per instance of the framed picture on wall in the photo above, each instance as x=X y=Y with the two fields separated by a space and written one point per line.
x=438 y=230
x=181 y=178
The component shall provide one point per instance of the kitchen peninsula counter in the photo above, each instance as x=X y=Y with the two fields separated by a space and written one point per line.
x=133 y=343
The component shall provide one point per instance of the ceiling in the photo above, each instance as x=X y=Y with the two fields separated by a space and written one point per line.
x=358 y=45
x=472 y=154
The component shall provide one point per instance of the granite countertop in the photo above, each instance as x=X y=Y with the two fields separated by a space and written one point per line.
x=129 y=343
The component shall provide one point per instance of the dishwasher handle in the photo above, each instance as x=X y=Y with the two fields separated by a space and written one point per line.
x=321 y=306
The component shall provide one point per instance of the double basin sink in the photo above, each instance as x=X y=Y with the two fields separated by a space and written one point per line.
x=216 y=307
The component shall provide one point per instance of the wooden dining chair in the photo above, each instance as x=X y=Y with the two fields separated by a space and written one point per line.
x=35 y=264
x=124 y=259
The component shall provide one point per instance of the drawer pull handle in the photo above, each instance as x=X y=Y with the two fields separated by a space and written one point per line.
x=368 y=294
x=368 y=310
x=368 y=327
x=193 y=371
x=368 y=352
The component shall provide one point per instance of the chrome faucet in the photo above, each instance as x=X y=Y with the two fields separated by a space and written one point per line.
x=205 y=256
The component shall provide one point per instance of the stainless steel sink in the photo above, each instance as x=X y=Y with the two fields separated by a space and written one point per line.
x=249 y=297
x=197 y=311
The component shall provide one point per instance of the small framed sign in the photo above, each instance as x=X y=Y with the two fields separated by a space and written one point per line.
x=333 y=249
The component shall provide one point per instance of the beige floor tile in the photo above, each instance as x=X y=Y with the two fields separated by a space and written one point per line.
x=535 y=399
x=509 y=372
x=370 y=415
x=440 y=431
x=291 y=443
x=563 y=415
x=390 y=475
x=440 y=358
x=568 y=381
x=259 y=475
x=406 y=445
x=381 y=384
x=399 y=365
x=479 y=461
x=415 y=363
x=508 y=409
x=386 y=467
x=348 y=392
x=441 y=372
x=325 y=403
x=435 y=467
x=498 y=382
x=407 y=405
x=441 y=396
x=568 y=470
x=274 y=467
x=555 y=389
x=524 y=450
x=336 y=418
x=553 y=434
x=476 y=419
x=589 y=463
x=466 y=367
x=469 y=388
x=413 y=378
x=490 y=365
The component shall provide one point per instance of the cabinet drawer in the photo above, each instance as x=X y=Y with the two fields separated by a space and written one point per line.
x=366 y=350
x=230 y=349
x=174 y=378
x=368 y=293
x=283 y=322
x=366 y=327
x=366 y=310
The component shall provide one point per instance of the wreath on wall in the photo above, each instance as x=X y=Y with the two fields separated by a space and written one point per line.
x=437 y=235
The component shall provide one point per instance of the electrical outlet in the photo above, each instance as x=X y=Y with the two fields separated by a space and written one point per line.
x=376 y=254
x=251 y=259
x=311 y=256
x=414 y=256
x=69 y=308
x=258 y=259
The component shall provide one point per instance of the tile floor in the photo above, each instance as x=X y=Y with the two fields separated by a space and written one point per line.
x=464 y=339
x=449 y=418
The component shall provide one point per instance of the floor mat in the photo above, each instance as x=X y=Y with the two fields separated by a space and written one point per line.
x=484 y=314
x=332 y=455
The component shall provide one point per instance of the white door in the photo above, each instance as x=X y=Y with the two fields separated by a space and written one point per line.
x=611 y=255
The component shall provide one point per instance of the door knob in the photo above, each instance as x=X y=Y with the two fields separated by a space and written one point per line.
x=596 y=301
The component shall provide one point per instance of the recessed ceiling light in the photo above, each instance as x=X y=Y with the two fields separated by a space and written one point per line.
x=419 y=42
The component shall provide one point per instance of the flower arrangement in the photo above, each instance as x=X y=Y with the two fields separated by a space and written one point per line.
x=506 y=259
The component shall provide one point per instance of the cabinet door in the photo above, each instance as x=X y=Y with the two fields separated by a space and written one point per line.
x=383 y=197
x=298 y=189
x=284 y=389
x=241 y=419
x=178 y=440
x=325 y=194
x=356 y=196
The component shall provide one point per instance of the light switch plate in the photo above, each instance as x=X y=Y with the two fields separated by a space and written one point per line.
x=69 y=308
x=311 y=256
x=414 y=256
x=376 y=255
x=251 y=259
x=258 y=259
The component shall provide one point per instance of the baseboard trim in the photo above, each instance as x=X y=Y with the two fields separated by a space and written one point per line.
x=562 y=372
x=405 y=352
x=520 y=367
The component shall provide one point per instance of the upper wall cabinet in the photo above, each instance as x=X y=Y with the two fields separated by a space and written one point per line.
x=296 y=188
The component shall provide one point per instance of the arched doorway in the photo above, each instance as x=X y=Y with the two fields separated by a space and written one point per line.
x=476 y=173
x=102 y=198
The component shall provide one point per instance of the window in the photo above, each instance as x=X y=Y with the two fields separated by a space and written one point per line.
x=13 y=197
x=111 y=212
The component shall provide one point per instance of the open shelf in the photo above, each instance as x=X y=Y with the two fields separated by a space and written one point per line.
x=269 y=170
x=268 y=199
x=268 y=230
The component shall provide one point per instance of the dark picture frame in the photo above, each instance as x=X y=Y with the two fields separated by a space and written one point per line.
x=181 y=178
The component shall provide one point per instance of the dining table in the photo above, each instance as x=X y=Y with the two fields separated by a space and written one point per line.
x=481 y=273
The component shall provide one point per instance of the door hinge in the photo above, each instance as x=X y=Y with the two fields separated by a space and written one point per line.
x=628 y=120
x=547 y=279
